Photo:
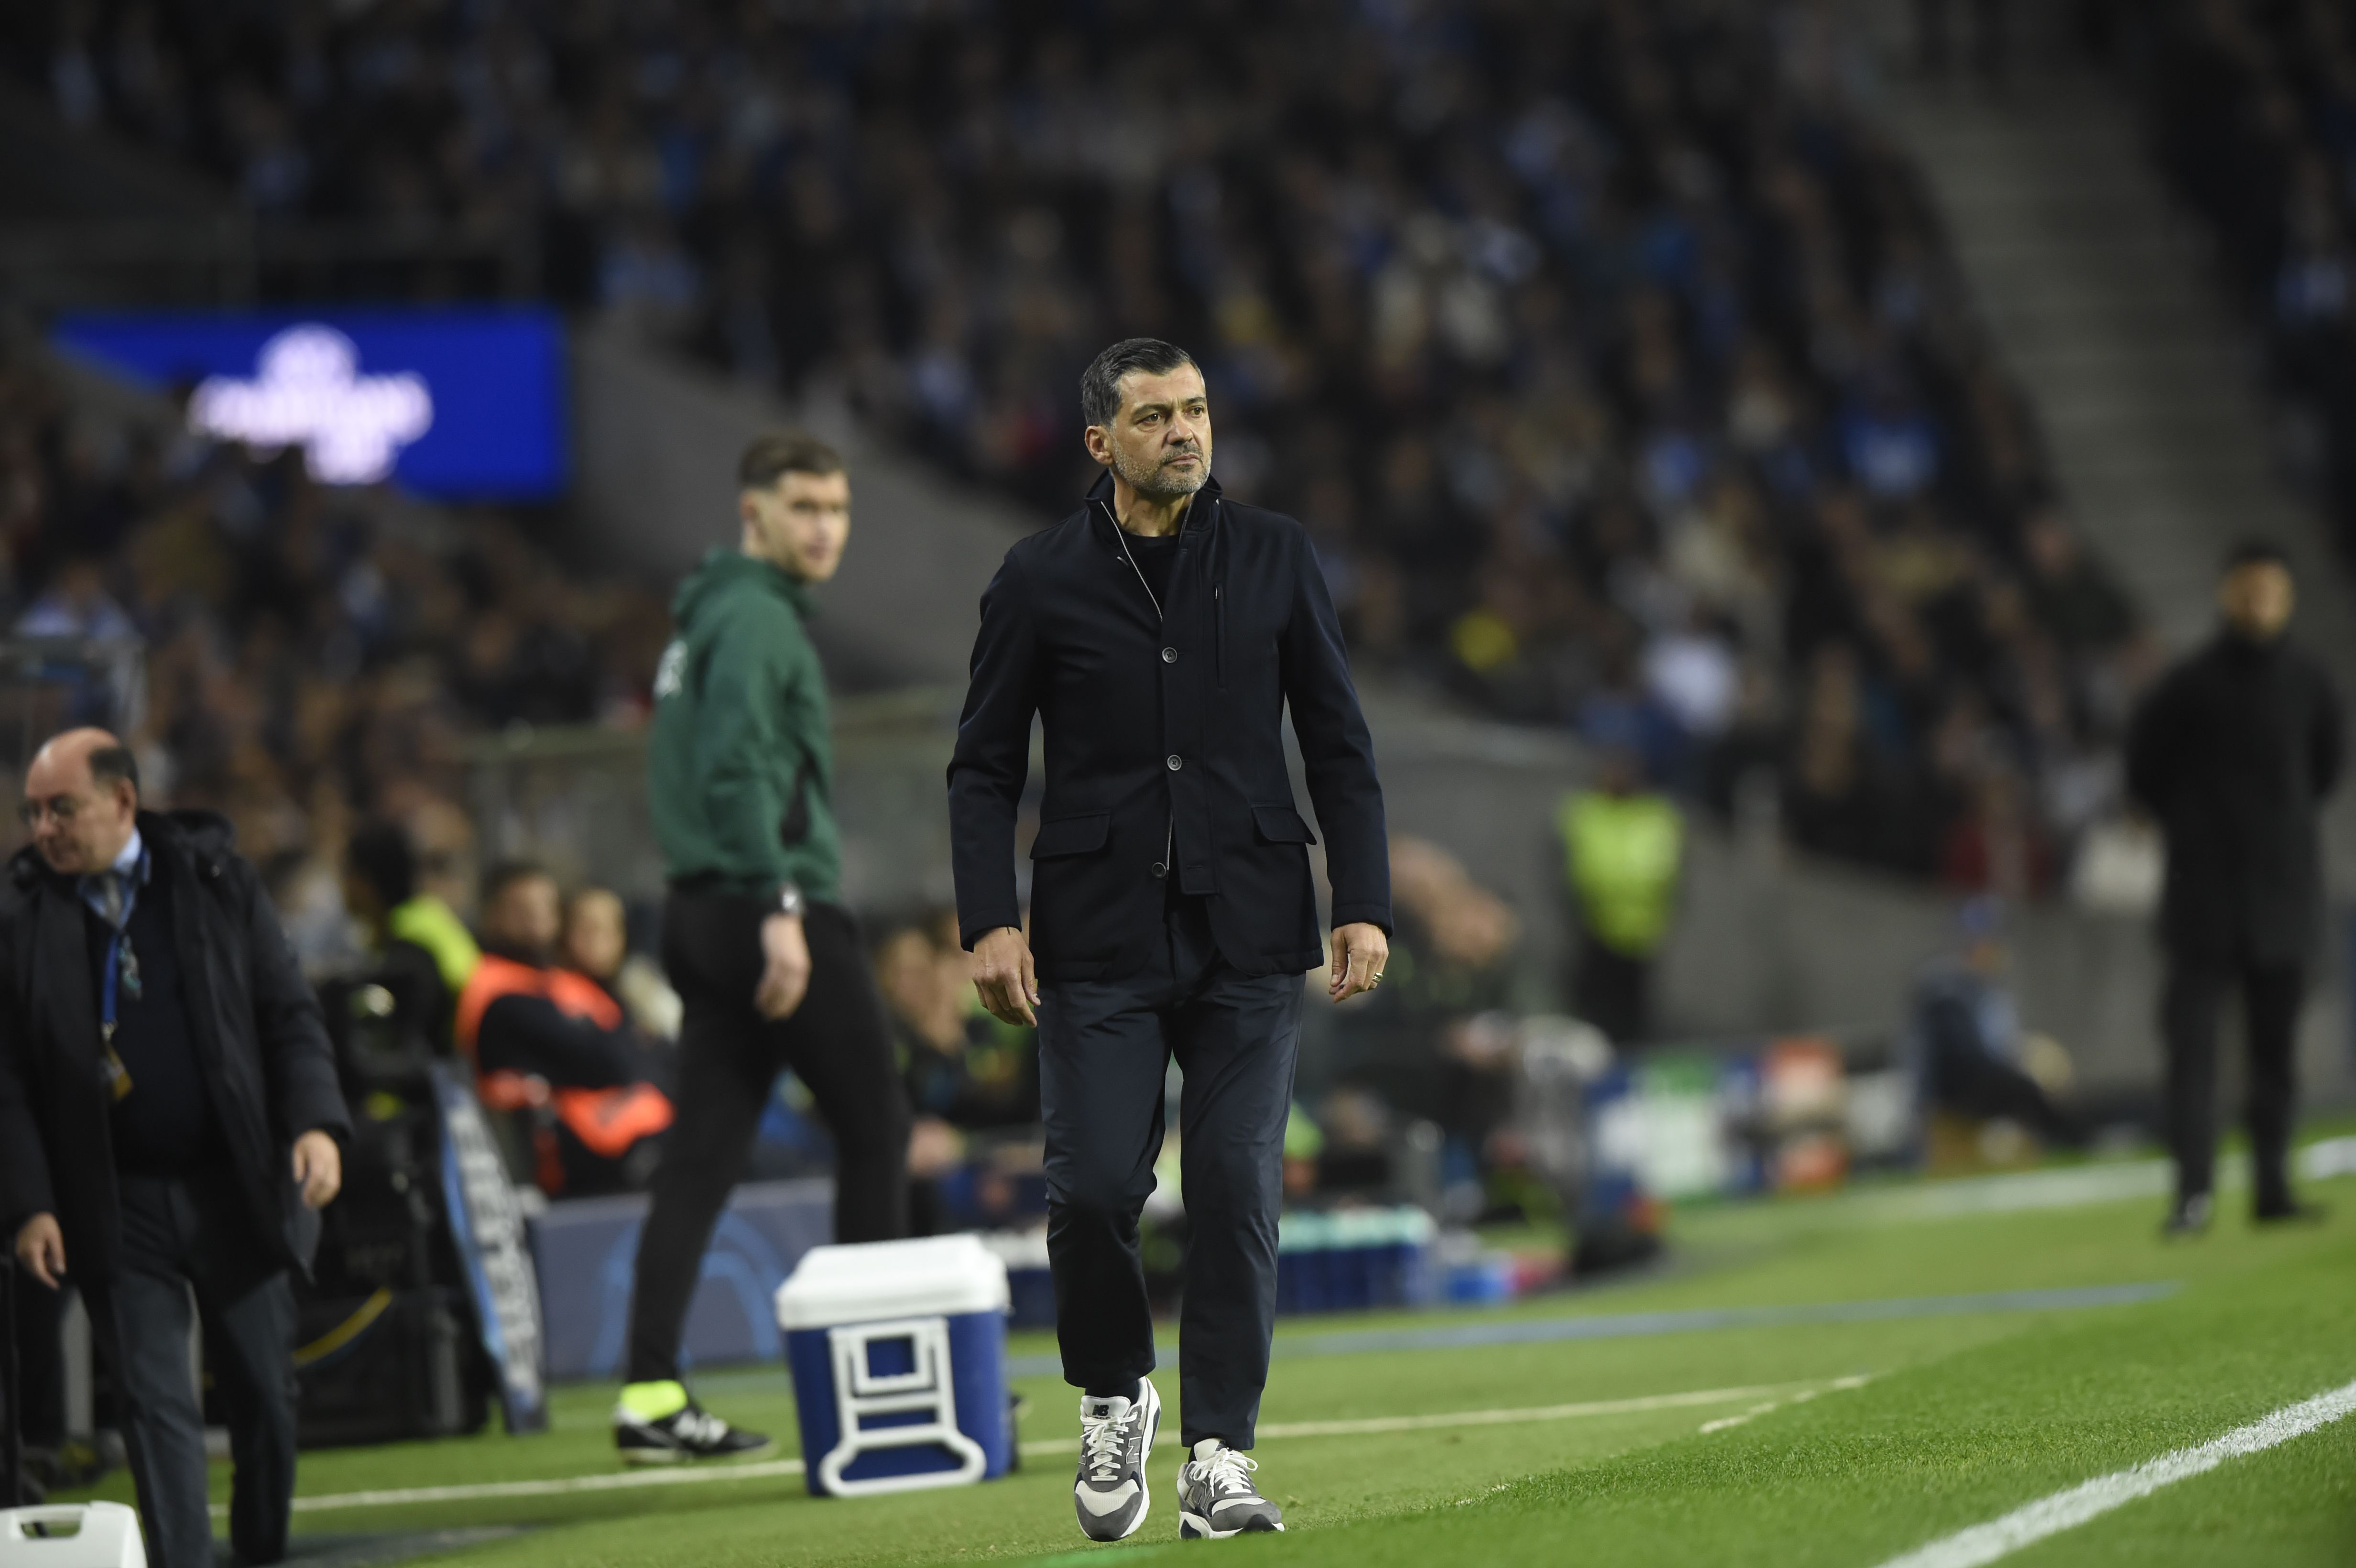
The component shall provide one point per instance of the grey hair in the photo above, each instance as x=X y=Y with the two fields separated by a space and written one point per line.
x=1100 y=382
x=110 y=765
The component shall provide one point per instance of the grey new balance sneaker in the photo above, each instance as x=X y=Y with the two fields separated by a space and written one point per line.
x=1116 y=1438
x=1216 y=1497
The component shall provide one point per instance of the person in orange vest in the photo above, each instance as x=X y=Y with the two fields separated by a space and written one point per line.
x=553 y=1044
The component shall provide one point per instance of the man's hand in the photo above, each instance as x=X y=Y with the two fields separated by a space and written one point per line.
x=319 y=1167
x=785 y=967
x=41 y=1248
x=1002 y=973
x=1360 y=953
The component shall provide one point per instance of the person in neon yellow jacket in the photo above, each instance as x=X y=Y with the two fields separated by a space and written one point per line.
x=1623 y=853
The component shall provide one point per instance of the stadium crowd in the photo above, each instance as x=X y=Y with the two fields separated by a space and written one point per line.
x=2252 y=108
x=1611 y=355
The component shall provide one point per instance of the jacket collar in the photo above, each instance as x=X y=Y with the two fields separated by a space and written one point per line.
x=1200 y=518
x=202 y=839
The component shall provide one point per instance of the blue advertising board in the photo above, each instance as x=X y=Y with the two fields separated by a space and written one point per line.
x=487 y=1226
x=585 y=1251
x=459 y=403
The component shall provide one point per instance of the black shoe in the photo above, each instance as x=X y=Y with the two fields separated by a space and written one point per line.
x=2189 y=1217
x=682 y=1437
x=2288 y=1210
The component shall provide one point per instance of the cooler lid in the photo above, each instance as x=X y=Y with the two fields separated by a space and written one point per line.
x=935 y=1276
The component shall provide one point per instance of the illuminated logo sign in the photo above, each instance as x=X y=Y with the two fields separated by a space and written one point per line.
x=307 y=391
x=460 y=404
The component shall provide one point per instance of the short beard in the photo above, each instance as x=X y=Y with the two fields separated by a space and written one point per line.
x=1153 y=483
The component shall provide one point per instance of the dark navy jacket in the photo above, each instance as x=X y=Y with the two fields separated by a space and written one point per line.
x=2235 y=751
x=1164 y=730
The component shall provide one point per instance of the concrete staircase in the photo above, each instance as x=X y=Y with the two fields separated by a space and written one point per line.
x=2098 y=292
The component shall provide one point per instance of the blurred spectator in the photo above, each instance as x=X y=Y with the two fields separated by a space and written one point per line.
x=1973 y=1058
x=1423 y=1042
x=550 y=1044
x=77 y=604
x=426 y=948
x=2073 y=597
x=966 y=1072
x=1994 y=847
x=1623 y=853
x=597 y=943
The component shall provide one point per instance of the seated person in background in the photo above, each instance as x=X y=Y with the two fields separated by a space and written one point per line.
x=550 y=1044
x=597 y=943
x=965 y=1072
x=426 y=950
x=1974 y=1059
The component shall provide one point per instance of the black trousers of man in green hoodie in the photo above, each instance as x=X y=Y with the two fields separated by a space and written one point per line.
x=740 y=777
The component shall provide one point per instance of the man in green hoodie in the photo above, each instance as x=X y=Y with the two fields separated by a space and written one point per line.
x=767 y=962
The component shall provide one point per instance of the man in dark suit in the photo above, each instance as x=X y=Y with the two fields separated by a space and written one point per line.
x=169 y=1118
x=1160 y=633
x=2234 y=752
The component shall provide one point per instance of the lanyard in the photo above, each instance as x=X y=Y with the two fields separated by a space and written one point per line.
x=111 y=973
x=121 y=970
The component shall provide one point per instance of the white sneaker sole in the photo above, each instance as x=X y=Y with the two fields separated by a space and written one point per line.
x=646 y=1457
x=1145 y=1455
x=1195 y=1527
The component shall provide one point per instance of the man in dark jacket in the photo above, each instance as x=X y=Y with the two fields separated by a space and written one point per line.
x=769 y=966
x=169 y=1117
x=1160 y=633
x=2234 y=752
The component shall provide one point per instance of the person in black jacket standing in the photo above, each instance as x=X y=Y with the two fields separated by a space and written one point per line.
x=1160 y=633
x=169 y=1117
x=2235 y=750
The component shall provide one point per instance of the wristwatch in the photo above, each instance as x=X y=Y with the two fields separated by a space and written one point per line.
x=789 y=900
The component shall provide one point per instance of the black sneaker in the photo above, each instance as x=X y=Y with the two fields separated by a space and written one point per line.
x=1216 y=1497
x=2290 y=1210
x=1116 y=1437
x=2189 y=1217
x=686 y=1434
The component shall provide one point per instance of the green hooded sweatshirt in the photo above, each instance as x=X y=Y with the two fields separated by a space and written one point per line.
x=740 y=768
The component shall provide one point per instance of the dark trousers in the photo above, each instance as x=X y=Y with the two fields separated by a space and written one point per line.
x=2190 y=1012
x=181 y=1235
x=1104 y=1049
x=729 y=1059
x=1613 y=992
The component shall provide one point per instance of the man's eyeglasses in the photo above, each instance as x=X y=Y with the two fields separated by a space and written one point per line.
x=62 y=806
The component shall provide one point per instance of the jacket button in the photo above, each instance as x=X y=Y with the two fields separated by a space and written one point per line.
x=1170 y=655
x=1176 y=762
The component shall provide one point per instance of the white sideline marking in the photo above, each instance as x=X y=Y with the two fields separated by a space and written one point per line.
x=770 y=1469
x=1724 y=1421
x=1998 y=1538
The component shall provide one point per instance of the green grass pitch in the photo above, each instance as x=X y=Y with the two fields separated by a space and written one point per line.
x=1780 y=1455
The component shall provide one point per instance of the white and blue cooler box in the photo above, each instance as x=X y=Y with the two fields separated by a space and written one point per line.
x=898 y=1352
